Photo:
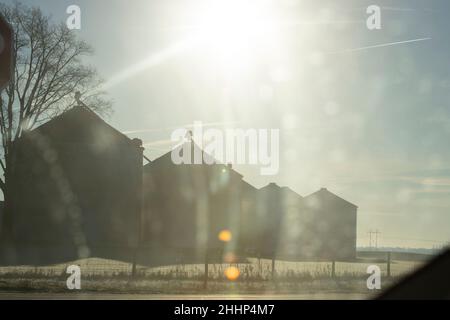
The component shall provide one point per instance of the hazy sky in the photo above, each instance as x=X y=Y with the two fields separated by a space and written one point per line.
x=371 y=125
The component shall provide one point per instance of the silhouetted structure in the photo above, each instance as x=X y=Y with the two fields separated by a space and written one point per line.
x=279 y=209
x=285 y=225
x=77 y=188
x=328 y=225
x=251 y=220
x=188 y=205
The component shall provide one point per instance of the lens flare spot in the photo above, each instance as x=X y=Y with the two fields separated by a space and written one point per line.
x=232 y=273
x=225 y=235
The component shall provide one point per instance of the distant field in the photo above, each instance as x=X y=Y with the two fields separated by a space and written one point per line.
x=104 y=275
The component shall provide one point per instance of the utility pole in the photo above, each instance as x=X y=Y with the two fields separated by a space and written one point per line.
x=375 y=233
x=376 y=237
x=370 y=238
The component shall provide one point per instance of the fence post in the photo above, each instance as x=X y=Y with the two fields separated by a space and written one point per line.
x=389 y=264
x=333 y=269
x=259 y=265
x=273 y=268
x=205 y=280
x=133 y=268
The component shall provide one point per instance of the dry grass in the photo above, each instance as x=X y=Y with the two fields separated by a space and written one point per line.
x=102 y=275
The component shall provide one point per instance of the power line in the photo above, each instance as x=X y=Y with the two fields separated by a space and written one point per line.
x=413 y=239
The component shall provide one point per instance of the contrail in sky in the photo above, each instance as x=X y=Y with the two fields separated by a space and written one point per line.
x=381 y=45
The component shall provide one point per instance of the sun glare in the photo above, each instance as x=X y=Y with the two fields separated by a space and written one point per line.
x=235 y=32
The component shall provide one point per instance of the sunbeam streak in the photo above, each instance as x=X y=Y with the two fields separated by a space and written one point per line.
x=209 y=124
x=153 y=60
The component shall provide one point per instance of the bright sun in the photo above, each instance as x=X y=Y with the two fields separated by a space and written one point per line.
x=237 y=32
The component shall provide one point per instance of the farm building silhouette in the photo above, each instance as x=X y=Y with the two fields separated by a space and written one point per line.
x=80 y=189
x=76 y=187
x=188 y=205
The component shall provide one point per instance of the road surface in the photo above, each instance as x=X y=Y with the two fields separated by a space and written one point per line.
x=121 y=296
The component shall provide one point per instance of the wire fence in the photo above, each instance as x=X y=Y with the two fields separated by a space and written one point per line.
x=248 y=269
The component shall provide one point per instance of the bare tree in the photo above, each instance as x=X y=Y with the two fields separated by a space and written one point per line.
x=50 y=68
